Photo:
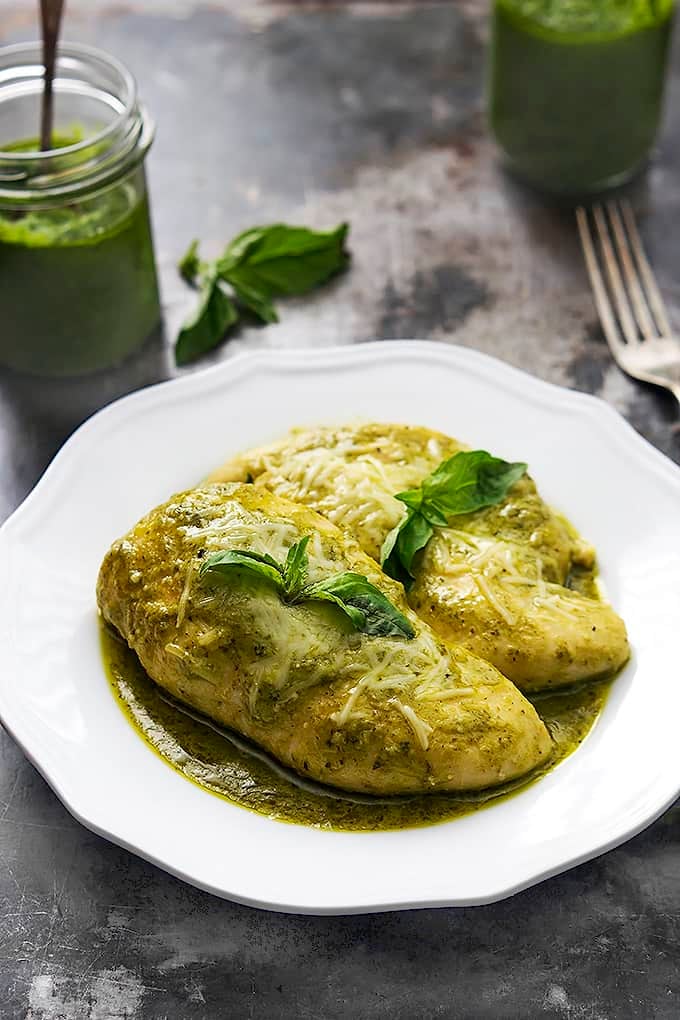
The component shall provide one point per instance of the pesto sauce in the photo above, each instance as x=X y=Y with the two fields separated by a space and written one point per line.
x=575 y=88
x=228 y=765
x=79 y=283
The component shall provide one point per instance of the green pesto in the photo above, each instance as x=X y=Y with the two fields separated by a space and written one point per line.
x=78 y=280
x=60 y=140
x=227 y=765
x=575 y=88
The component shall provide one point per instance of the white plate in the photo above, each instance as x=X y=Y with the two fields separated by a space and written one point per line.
x=620 y=492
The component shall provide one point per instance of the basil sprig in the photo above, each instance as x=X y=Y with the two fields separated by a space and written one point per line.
x=465 y=482
x=257 y=266
x=369 y=610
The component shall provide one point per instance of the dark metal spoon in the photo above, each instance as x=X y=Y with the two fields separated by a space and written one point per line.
x=50 y=15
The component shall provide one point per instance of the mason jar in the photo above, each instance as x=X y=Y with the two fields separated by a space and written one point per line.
x=576 y=89
x=78 y=286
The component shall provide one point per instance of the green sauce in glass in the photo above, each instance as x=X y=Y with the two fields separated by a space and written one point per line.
x=78 y=281
x=575 y=88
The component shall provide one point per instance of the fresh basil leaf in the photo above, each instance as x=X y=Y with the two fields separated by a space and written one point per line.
x=469 y=481
x=389 y=545
x=365 y=605
x=190 y=264
x=252 y=298
x=239 y=248
x=281 y=259
x=355 y=592
x=356 y=616
x=257 y=265
x=223 y=563
x=412 y=497
x=401 y=545
x=295 y=567
x=204 y=329
x=433 y=515
x=465 y=482
x=390 y=560
x=262 y=244
x=225 y=556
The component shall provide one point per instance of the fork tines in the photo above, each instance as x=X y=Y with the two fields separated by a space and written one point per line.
x=630 y=302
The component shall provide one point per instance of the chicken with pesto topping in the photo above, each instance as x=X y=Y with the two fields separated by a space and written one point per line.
x=484 y=561
x=266 y=618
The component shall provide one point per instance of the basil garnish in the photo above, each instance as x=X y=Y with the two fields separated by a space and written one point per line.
x=367 y=607
x=213 y=316
x=190 y=264
x=369 y=610
x=257 y=266
x=466 y=482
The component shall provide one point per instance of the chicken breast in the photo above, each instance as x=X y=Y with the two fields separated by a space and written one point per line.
x=376 y=714
x=494 y=581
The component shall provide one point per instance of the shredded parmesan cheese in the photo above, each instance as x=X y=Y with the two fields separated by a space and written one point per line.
x=495 y=573
x=454 y=692
x=347 y=483
x=343 y=715
x=208 y=638
x=488 y=594
x=420 y=666
x=184 y=597
x=420 y=728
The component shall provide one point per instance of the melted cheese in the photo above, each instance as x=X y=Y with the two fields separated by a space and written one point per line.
x=237 y=528
x=420 y=667
x=302 y=649
x=346 y=479
x=351 y=494
x=493 y=568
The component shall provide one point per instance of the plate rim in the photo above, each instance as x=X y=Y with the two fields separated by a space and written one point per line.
x=230 y=371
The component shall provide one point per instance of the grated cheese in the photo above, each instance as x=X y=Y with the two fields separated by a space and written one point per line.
x=346 y=483
x=553 y=602
x=184 y=597
x=208 y=637
x=420 y=666
x=486 y=591
x=493 y=568
x=454 y=692
x=300 y=649
x=237 y=528
x=343 y=715
x=420 y=728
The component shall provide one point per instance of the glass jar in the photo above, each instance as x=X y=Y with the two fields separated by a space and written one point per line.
x=575 y=88
x=78 y=287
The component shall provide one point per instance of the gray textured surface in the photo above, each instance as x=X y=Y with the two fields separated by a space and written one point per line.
x=372 y=113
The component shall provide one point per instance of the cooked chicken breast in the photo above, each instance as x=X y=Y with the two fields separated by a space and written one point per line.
x=494 y=581
x=376 y=714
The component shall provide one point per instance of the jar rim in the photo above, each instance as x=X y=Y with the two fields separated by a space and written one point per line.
x=95 y=55
x=91 y=162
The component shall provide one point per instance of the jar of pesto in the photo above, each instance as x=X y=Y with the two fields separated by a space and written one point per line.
x=575 y=88
x=78 y=288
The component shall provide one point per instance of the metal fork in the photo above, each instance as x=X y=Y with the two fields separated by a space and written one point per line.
x=631 y=310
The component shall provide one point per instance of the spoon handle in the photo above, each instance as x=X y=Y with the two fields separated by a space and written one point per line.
x=50 y=15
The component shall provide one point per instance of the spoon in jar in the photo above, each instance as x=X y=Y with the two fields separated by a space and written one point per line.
x=50 y=15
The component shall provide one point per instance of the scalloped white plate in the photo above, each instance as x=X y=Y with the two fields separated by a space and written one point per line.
x=620 y=492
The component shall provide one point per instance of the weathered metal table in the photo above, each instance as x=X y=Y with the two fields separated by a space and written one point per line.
x=321 y=112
